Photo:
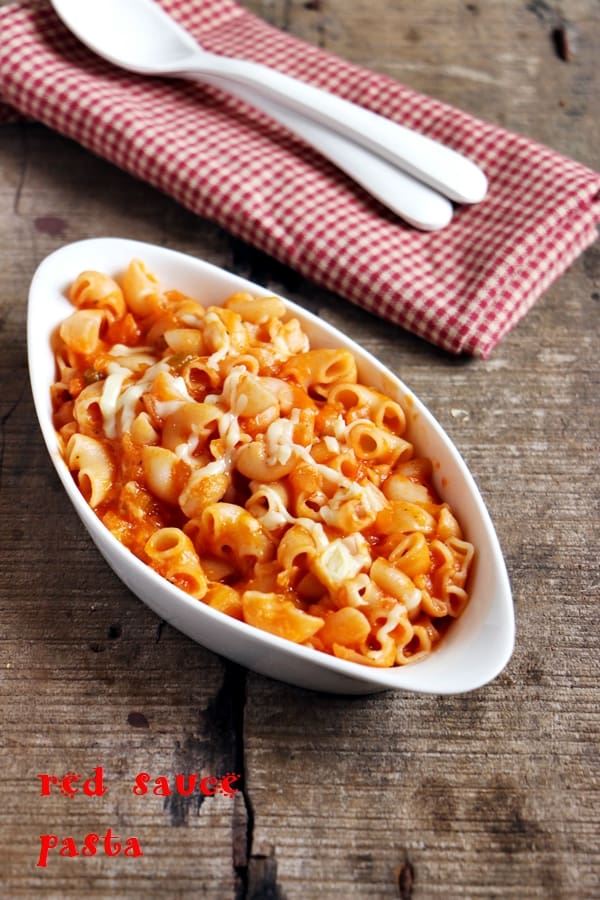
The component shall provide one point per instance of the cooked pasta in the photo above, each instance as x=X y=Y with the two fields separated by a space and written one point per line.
x=255 y=472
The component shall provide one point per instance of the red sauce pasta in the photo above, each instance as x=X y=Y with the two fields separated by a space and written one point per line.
x=253 y=471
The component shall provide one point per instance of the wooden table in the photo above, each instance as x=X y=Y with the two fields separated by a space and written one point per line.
x=487 y=795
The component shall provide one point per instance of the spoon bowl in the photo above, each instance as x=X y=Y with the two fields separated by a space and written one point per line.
x=477 y=645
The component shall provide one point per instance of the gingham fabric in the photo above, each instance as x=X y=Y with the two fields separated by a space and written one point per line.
x=461 y=288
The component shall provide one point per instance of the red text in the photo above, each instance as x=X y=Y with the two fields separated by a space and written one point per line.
x=185 y=785
x=110 y=844
x=91 y=787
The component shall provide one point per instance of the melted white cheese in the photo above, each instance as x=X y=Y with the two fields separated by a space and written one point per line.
x=279 y=442
x=338 y=564
x=111 y=394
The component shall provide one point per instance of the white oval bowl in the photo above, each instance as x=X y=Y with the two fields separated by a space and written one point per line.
x=477 y=646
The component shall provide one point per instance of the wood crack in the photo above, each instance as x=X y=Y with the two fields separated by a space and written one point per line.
x=23 y=166
x=234 y=682
x=256 y=874
x=3 y=423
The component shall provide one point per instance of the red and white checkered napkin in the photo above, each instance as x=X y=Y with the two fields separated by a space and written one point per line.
x=462 y=288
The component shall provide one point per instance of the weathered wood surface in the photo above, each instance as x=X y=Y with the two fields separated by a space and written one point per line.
x=489 y=795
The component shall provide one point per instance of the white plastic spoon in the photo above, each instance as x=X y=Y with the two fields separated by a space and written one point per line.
x=138 y=35
x=410 y=199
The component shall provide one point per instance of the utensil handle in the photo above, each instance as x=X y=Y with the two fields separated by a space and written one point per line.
x=436 y=165
x=410 y=199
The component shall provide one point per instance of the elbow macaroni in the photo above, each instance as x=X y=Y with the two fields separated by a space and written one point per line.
x=255 y=472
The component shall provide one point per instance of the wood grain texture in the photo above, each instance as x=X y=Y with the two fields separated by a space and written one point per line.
x=489 y=795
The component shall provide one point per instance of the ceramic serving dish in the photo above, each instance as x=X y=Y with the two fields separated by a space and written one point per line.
x=477 y=646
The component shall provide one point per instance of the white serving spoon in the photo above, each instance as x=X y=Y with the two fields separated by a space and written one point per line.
x=139 y=36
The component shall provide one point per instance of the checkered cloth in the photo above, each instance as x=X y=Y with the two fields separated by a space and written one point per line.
x=461 y=288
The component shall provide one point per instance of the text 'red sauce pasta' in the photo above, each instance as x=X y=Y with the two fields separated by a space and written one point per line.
x=254 y=472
